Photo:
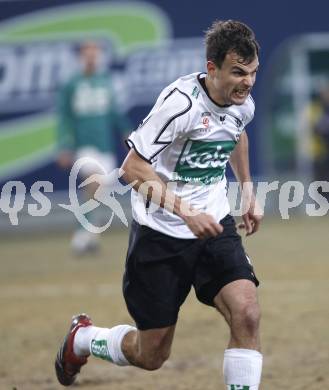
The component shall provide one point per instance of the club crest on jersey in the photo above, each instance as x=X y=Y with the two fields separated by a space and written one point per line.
x=205 y=119
x=205 y=122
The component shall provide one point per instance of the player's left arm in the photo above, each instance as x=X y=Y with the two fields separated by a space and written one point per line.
x=239 y=161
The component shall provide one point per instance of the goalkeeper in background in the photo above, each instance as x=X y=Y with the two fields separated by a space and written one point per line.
x=88 y=125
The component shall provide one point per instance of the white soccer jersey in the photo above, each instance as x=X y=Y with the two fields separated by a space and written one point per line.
x=188 y=139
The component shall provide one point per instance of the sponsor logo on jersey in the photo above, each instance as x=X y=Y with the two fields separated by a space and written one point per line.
x=203 y=162
x=91 y=100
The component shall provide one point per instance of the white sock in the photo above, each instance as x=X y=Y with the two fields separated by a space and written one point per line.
x=82 y=340
x=102 y=342
x=242 y=369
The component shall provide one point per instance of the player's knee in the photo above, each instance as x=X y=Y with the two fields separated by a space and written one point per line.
x=247 y=316
x=155 y=353
x=153 y=363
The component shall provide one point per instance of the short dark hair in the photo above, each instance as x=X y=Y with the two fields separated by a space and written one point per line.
x=228 y=36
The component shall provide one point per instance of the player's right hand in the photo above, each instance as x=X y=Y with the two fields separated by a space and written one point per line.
x=203 y=225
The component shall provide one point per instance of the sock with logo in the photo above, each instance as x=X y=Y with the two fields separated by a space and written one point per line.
x=242 y=369
x=103 y=343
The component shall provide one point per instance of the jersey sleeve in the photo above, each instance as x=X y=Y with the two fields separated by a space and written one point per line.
x=250 y=112
x=165 y=122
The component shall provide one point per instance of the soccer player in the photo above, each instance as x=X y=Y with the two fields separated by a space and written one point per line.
x=177 y=159
x=87 y=121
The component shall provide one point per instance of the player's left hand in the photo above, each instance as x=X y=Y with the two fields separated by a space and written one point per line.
x=253 y=214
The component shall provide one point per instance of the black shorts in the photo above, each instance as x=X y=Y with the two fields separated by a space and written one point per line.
x=160 y=271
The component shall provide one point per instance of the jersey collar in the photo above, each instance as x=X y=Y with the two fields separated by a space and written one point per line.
x=201 y=79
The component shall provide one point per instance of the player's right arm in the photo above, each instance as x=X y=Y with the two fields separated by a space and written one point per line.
x=140 y=172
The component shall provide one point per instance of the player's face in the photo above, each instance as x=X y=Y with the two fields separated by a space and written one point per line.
x=90 y=55
x=232 y=82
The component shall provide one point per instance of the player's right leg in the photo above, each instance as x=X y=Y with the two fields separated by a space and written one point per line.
x=125 y=345
x=122 y=345
x=148 y=349
x=157 y=280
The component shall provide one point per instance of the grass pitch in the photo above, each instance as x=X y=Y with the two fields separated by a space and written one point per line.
x=42 y=285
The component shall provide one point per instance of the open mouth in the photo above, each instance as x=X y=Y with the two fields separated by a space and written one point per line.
x=241 y=93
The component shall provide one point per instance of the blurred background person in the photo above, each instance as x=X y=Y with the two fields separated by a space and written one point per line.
x=321 y=133
x=89 y=124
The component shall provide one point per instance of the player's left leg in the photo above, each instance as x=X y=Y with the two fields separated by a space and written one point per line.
x=225 y=279
x=238 y=303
